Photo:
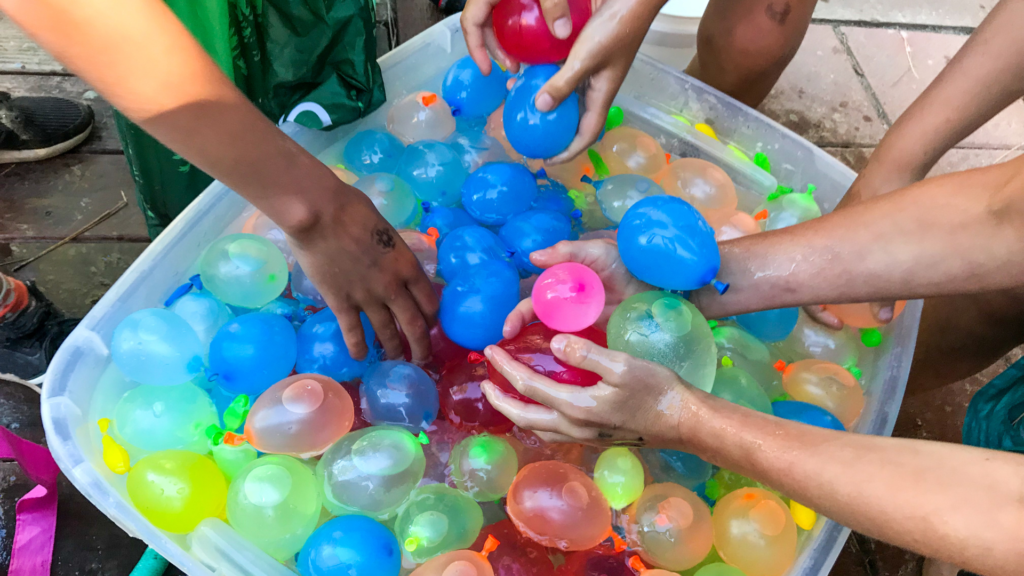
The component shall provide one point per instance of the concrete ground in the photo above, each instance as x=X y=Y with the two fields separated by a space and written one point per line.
x=862 y=63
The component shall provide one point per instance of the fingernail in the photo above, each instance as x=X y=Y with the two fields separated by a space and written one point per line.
x=511 y=82
x=544 y=102
x=885 y=313
x=563 y=27
x=487 y=352
x=558 y=343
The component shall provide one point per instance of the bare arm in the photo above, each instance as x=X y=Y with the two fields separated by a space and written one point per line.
x=142 y=59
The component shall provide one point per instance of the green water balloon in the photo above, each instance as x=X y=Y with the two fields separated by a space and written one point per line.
x=483 y=466
x=750 y=355
x=620 y=476
x=244 y=270
x=437 y=519
x=153 y=418
x=665 y=328
x=738 y=387
x=231 y=459
x=719 y=569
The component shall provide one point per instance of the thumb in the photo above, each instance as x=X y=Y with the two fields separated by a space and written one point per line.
x=883 y=311
x=560 y=86
x=556 y=14
x=595 y=253
x=582 y=353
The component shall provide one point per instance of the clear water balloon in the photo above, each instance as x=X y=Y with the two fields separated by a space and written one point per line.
x=750 y=355
x=203 y=312
x=399 y=394
x=155 y=418
x=736 y=386
x=420 y=116
x=392 y=197
x=261 y=225
x=483 y=466
x=617 y=194
x=789 y=209
x=705 y=186
x=476 y=148
x=670 y=525
x=437 y=519
x=244 y=270
x=627 y=150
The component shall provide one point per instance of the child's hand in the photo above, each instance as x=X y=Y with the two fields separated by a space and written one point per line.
x=602 y=256
x=637 y=403
x=359 y=263
x=480 y=38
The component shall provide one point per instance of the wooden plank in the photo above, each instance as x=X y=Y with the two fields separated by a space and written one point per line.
x=415 y=16
x=18 y=53
x=104 y=134
x=50 y=199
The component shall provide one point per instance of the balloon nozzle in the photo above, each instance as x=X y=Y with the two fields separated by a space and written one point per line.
x=780 y=365
x=870 y=337
x=762 y=215
x=577 y=213
x=428 y=98
x=721 y=287
x=490 y=545
x=617 y=542
x=426 y=206
x=542 y=174
x=475 y=358
x=727 y=362
x=422 y=438
x=411 y=544
x=637 y=565
x=586 y=179
x=668 y=158
x=232 y=439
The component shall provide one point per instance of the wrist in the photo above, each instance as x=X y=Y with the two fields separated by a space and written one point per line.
x=319 y=197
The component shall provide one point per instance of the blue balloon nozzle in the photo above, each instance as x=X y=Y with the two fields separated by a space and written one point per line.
x=722 y=287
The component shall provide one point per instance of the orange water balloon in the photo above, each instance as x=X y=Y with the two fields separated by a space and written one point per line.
x=670 y=525
x=738 y=225
x=860 y=315
x=755 y=532
x=826 y=385
x=706 y=186
x=627 y=150
x=559 y=506
x=638 y=566
x=460 y=562
x=495 y=128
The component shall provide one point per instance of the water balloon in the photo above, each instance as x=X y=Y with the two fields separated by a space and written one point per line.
x=399 y=394
x=424 y=248
x=477 y=301
x=476 y=148
x=683 y=468
x=516 y=555
x=464 y=403
x=670 y=525
x=434 y=171
x=322 y=349
x=559 y=506
x=617 y=194
x=522 y=32
x=754 y=532
x=738 y=387
x=252 y=352
x=350 y=546
x=806 y=414
x=437 y=519
x=738 y=225
x=471 y=94
x=444 y=220
x=483 y=466
x=175 y=489
x=420 y=116
x=261 y=225
x=244 y=270
x=789 y=209
x=750 y=355
x=626 y=150
x=304 y=290
x=467 y=247
x=204 y=313
x=392 y=197
x=497 y=191
x=826 y=385
x=533 y=133
x=703 y=185
x=155 y=418
x=533 y=230
x=620 y=477
x=157 y=347
x=373 y=152
x=568 y=297
x=770 y=325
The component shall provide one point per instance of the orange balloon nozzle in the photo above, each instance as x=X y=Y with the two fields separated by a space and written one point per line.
x=637 y=565
x=428 y=98
x=617 y=542
x=780 y=365
x=490 y=545
x=762 y=215
x=232 y=439
x=668 y=158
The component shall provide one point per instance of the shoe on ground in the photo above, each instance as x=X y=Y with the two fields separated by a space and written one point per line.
x=40 y=127
x=30 y=337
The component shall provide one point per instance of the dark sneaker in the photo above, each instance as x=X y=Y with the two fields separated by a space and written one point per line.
x=30 y=337
x=39 y=127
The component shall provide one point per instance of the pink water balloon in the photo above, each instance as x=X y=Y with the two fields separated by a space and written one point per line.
x=568 y=297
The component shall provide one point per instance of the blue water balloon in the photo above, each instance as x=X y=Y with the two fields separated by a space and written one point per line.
x=253 y=352
x=534 y=230
x=352 y=545
x=471 y=94
x=322 y=349
x=536 y=134
x=676 y=466
x=372 y=151
x=476 y=302
x=554 y=196
x=770 y=325
x=291 y=310
x=203 y=312
x=475 y=147
x=434 y=171
x=444 y=220
x=665 y=242
x=157 y=347
x=467 y=247
x=807 y=414
x=497 y=191
x=304 y=290
x=399 y=394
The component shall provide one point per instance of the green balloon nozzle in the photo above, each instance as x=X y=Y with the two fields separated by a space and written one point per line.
x=762 y=162
x=712 y=490
x=811 y=189
x=214 y=434
x=681 y=118
x=712 y=324
x=236 y=413
x=727 y=362
x=870 y=337
x=852 y=368
x=782 y=397
x=600 y=168
x=422 y=438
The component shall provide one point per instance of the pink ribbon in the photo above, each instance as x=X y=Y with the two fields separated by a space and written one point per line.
x=36 y=512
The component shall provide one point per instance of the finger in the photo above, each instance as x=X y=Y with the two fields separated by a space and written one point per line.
x=528 y=416
x=561 y=85
x=599 y=99
x=518 y=318
x=883 y=311
x=586 y=252
x=582 y=353
x=387 y=332
x=556 y=438
x=414 y=325
x=351 y=331
x=499 y=54
x=426 y=299
x=556 y=14
x=475 y=21
x=561 y=397
x=819 y=314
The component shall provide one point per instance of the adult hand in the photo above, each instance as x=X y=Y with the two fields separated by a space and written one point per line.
x=636 y=403
x=359 y=263
x=480 y=38
x=602 y=256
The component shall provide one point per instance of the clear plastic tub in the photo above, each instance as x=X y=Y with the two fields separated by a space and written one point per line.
x=82 y=385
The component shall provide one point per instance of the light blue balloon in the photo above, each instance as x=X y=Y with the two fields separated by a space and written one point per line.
x=352 y=545
x=203 y=312
x=617 y=194
x=373 y=151
x=252 y=353
x=471 y=94
x=665 y=242
x=476 y=148
x=770 y=325
x=399 y=394
x=682 y=468
x=392 y=197
x=157 y=347
x=536 y=134
x=467 y=247
x=303 y=289
x=531 y=231
x=444 y=220
x=434 y=171
x=475 y=304
x=322 y=349
x=498 y=191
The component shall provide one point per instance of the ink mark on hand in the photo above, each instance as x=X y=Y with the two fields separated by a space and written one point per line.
x=385 y=238
x=776 y=14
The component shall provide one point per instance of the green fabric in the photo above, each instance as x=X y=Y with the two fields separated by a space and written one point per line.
x=283 y=54
x=995 y=416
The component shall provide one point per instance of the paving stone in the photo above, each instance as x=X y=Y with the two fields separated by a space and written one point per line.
x=103 y=138
x=50 y=199
x=820 y=97
x=75 y=275
x=924 y=12
x=883 y=56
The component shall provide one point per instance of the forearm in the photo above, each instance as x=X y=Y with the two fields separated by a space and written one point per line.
x=980 y=81
x=958 y=503
x=142 y=59
x=948 y=235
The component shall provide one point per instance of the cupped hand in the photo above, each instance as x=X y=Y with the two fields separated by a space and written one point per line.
x=359 y=263
x=601 y=256
x=480 y=39
x=636 y=403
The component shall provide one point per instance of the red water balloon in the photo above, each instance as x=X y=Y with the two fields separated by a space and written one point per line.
x=516 y=555
x=532 y=346
x=602 y=560
x=463 y=402
x=523 y=33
